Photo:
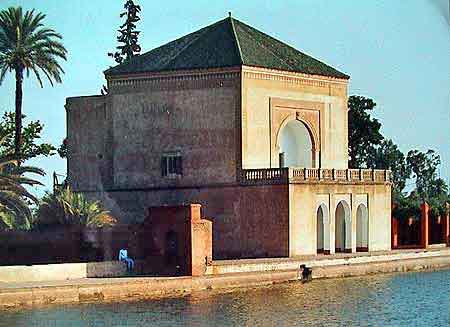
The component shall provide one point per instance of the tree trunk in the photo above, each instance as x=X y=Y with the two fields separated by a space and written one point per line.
x=18 y=114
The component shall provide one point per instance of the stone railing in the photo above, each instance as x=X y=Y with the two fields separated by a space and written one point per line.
x=264 y=176
x=314 y=175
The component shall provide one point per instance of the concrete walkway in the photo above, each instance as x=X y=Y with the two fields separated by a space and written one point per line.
x=240 y=274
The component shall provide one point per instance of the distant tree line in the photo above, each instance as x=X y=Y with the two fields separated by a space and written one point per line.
x=368 y=148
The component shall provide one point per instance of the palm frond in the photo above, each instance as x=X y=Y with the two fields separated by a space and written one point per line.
x=26 y=43
x=14 y=207
x=19 y=170
x=72 y=208
x=9 y=159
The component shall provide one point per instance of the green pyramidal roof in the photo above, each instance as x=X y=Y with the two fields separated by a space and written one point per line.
x=227 y=43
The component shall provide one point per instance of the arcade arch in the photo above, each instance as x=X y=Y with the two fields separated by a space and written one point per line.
x=362 y=228
x=343 y=227
x=323 y=229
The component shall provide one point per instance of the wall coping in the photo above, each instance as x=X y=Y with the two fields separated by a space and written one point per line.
x=61 y=271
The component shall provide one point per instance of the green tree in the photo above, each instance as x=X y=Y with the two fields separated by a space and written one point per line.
x=438 y=188
x=27 y=46
x=62 y=150
x=363 y=131
x=388 y=156
x=424 y=166
x=407 y=206
x=438 y=197
x=65 y=207
x=128 y=36
x=368 y=148
x=31 y=133
x=14 y=197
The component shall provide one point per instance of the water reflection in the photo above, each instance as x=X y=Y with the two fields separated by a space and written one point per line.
x=420 y=299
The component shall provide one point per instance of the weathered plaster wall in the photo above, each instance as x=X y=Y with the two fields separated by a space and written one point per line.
x=117 y=141
x=306 y=198
x=250 y=221
x=308 y=96
x=192 y=114
x=201 y=232
x=89 y=136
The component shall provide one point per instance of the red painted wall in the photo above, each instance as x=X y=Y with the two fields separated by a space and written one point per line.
x=420 y=233
x=248 y=221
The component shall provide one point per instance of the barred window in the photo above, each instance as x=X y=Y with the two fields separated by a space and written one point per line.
x=171 y=165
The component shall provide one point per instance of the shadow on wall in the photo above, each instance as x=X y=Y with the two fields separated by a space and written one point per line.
x=176 y=241
x=53 y=245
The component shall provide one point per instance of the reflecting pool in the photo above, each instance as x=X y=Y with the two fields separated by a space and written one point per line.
x=409 y=299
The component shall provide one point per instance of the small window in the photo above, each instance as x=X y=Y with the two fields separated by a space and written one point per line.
x=171 y=165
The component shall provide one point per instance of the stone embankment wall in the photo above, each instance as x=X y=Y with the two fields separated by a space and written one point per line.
x=398 y=257
x=123 y=289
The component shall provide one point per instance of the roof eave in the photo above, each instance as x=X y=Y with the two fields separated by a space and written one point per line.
x=186 y=71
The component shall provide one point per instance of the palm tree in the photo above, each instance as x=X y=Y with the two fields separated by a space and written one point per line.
x=26 y=45
x=64 y=207
x=14 y=197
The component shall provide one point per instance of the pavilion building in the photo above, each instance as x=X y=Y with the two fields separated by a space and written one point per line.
x=250 y=128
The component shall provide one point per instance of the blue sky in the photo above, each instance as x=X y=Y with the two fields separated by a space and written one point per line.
x=397 y=52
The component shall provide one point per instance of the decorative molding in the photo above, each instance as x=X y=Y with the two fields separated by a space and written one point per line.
x=282 y=111
x=226 y=73
x=292 y=77
x=175 y=79
x=174 y=82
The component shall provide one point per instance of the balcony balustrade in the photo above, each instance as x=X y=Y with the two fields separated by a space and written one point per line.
x=314 y=175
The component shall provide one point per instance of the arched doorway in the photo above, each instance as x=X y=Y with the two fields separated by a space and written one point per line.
x=323 y=230
x=343 y=228
x=296 y=145
x=362 y=229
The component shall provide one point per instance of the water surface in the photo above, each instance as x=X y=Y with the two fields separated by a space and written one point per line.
x=410 y=299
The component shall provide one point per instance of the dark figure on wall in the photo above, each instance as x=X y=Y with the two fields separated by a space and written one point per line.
x=306 y=273
x=171 y=252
